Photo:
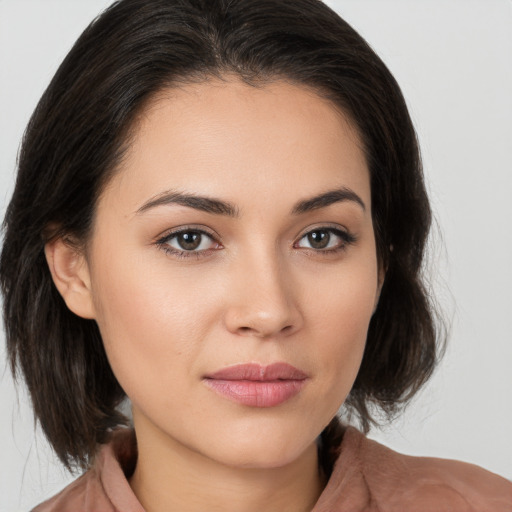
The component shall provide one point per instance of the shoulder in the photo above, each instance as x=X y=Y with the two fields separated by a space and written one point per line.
x=76 y=496
x=105 y=486
x=393 y=481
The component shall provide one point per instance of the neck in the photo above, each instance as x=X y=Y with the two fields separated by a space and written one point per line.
x=171 y=477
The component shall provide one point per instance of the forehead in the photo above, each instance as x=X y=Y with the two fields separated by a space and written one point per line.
x=228 y=139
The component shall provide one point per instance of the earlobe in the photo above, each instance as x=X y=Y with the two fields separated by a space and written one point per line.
x=70 y=273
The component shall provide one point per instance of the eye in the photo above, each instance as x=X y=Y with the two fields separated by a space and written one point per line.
x=326 y=239
x=192 y=241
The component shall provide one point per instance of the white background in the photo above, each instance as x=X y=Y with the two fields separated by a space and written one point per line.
x=453 y=59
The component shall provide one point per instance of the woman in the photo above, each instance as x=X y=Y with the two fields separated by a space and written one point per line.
x=230 y=203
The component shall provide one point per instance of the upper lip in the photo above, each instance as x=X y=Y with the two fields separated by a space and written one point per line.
x=258 y=372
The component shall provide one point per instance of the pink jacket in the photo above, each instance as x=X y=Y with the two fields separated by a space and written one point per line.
x=367 y=477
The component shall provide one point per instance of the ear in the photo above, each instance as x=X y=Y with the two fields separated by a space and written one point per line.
x=70 y=273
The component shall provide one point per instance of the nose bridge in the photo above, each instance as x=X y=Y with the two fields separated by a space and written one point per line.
x=263 y=302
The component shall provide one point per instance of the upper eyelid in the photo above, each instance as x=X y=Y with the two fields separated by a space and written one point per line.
x=346 y=236
x=176 y=231
x=324 y=227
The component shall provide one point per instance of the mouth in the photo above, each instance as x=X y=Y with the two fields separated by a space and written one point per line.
x=257 y=385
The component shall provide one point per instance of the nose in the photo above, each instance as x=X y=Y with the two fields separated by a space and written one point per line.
x=264 y=301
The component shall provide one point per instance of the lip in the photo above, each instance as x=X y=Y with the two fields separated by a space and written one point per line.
x=257 y=385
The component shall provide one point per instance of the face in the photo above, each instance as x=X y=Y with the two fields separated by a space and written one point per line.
x=232 y=269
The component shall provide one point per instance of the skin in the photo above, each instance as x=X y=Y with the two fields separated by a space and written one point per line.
x=256 y=291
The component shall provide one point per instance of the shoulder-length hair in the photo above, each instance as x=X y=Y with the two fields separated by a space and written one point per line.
x=76 y=139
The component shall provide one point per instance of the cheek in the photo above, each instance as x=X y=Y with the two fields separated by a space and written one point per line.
x=149 y=319
x=340 y=318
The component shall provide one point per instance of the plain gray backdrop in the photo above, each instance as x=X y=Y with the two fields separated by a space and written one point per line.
x=453 y=60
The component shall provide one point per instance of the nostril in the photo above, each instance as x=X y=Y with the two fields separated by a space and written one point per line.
x=250 y=330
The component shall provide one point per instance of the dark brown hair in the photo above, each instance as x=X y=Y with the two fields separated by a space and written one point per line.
x=75 y=140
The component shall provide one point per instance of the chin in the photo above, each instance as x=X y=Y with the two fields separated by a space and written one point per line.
x=260 y=449
x=268 y=458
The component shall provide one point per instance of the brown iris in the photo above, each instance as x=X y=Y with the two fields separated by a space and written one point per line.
x=189 y=240
x=319 y=239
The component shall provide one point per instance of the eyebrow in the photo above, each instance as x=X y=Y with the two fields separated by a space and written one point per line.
x=219 y=207
x=205 y=204
x=325 y=199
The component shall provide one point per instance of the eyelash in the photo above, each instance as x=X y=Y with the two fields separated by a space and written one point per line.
x=346 y=239
x=162 y=243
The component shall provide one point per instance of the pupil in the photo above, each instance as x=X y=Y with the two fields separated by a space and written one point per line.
x=189 y=241
x=319 y=239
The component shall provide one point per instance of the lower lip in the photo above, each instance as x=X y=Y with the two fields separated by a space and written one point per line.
x=256 y=393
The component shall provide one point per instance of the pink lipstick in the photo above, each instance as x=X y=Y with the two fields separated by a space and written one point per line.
x=256 y=385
